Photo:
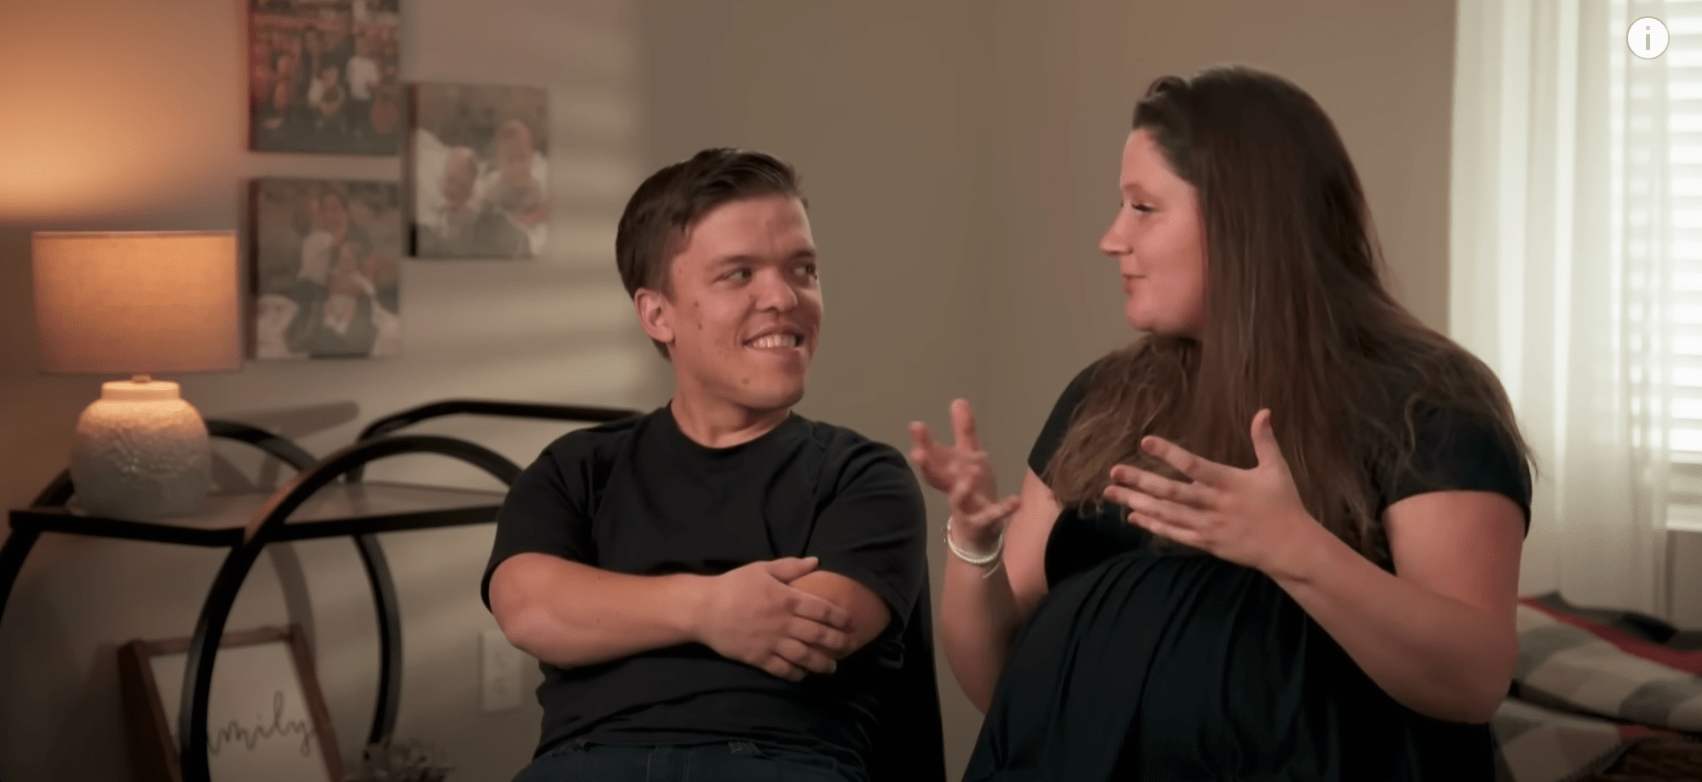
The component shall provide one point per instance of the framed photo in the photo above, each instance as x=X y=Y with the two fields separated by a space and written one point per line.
x=324 y=76
x=327 y=268
x=266 y=718
x=478 y=171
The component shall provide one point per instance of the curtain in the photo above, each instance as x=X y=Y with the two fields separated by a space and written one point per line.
x=1563 y=279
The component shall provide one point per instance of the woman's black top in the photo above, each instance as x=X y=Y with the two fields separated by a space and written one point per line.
x=1148 y=663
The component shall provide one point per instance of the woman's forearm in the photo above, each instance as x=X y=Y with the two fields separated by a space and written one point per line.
x=980 y=612
x=1436 y=655
x=978 y=620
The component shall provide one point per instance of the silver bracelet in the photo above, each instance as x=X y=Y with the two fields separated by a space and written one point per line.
x=977 y=560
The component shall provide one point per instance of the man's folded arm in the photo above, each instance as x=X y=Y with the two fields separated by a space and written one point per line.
x=869 y=613
x=872 y=543
x=570 y=614
x=785 y=616
x=545 y=594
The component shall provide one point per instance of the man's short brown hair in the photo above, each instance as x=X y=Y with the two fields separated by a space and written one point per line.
x=666 y=206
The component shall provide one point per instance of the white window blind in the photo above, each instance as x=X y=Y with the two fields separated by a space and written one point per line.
x=1679 y=217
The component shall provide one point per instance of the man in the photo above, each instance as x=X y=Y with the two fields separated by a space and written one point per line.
x=364 y=76
x=722 y=589
x=459 y=225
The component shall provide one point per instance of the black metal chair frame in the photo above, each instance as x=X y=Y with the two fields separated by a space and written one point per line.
x=269 y=525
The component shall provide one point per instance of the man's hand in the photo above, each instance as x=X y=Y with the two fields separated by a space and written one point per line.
x=753 y=615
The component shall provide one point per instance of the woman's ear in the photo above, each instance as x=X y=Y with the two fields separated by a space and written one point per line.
x=655 y=315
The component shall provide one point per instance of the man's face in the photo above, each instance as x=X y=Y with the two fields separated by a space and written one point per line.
x=744 y=311
x=459 y=175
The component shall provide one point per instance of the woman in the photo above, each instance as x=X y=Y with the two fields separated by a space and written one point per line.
x=1276 y=538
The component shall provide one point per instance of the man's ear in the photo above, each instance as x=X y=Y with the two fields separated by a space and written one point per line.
x=655 y=315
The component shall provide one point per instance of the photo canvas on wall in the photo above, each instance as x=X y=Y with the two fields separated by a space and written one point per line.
x=324 y=76
x=327 y=262
x=478 y=171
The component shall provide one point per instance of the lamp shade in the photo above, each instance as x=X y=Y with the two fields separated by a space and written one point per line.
x=137 y=302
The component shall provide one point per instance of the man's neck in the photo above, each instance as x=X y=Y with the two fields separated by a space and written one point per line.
x=721 y=424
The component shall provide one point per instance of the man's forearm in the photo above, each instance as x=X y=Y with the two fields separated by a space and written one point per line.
x=571 y=615
x=869 y=613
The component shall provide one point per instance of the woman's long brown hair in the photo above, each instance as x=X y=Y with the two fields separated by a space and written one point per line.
x=1297 y=319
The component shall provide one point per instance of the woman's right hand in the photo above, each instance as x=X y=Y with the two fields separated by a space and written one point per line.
x=965 y=473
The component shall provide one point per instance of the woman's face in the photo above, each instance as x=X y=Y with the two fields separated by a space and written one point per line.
x=514 y=158
x=1159 y=243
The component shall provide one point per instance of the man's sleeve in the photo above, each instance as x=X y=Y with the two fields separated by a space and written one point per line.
x=544 y=512
x=874 y=529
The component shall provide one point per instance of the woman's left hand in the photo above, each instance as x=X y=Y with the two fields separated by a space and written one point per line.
x=1250 y=517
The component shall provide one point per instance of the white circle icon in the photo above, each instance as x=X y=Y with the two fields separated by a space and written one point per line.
x=1647 y=37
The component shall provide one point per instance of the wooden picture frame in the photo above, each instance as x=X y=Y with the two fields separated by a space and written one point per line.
x=265 y=708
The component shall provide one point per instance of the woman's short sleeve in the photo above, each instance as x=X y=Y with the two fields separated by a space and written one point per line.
x=1456 y=452
x=1058 y=422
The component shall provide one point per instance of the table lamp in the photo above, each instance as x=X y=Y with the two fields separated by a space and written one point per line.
x=138 y=303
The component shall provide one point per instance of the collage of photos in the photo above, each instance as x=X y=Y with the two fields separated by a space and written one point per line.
x=479 y=171
x=327 y=258
x=324 y=76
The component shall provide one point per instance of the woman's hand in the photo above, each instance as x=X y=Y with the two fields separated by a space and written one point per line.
x=1250 y=517
x=965 y=474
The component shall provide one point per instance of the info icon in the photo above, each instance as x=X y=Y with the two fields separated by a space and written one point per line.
x=1647 y=37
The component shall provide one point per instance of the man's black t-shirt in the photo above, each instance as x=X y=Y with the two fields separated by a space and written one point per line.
x=639 y=497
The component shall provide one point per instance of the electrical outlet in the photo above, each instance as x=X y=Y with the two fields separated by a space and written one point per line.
x=499 y=672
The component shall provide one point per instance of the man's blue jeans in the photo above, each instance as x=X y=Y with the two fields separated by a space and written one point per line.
x=735 y=761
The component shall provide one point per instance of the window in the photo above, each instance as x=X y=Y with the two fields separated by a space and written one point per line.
x=1671 y=204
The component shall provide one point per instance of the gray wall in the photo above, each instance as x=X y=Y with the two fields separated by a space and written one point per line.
x=960 y=157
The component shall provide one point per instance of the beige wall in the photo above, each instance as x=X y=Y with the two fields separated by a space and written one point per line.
x=960 y=157
x=1068 y=75
x=129 y=116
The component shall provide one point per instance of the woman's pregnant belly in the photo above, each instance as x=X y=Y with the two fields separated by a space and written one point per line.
x=1184 y=666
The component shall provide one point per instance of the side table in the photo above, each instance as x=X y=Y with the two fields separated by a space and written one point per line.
x=327 y=498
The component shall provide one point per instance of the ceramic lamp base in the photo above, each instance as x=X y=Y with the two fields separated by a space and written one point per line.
x=140 y=453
